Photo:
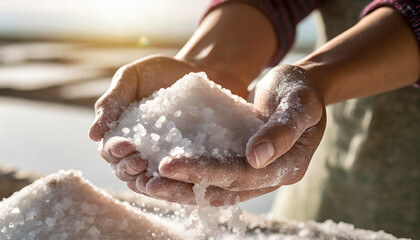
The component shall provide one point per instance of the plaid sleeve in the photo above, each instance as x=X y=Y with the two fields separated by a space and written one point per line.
x=410 y=9
x=284 y=15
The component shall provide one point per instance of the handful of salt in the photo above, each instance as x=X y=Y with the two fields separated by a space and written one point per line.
x=193 y=117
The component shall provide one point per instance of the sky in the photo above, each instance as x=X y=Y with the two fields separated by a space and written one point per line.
x=128 y=21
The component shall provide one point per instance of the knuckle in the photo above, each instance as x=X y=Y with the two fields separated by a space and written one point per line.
x=99 y=103
x=233 y=185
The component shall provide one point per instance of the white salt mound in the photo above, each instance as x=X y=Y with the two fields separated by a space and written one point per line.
x=194 y=117
x=64 y=206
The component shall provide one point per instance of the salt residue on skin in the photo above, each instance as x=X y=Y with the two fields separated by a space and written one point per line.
x=194 y=117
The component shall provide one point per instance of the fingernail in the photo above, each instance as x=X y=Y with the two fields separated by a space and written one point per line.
x=162 y=195
x=130 y=171
x=141 y=186
x=180 y=176
x=121 y=147
x=263 y=153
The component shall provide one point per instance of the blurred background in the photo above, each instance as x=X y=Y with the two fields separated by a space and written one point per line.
x=58 y=56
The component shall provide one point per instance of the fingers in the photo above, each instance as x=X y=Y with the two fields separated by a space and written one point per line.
x=107 y=111
x=280 y=133
x=237 y=175
x=132 y=186
x=115 y=148
x=291 y=166
x=122 y=92
x=225 y=173
x=121 y=173
x=126 y=163
x=181 y=192
x=135 y=164
x=128 y=168
x=291 y=110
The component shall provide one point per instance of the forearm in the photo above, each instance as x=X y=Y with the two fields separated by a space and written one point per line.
x=378 y=54
x=235 y=39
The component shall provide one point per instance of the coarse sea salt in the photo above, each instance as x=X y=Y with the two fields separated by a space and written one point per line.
x=65 y=206
x=193 y=117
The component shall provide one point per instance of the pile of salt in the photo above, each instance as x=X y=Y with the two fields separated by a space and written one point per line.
x=194 y=117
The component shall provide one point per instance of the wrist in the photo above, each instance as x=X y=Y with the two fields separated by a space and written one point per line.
x=218 y=73
x=235 y=39
x=209 y=63
x=315 y=72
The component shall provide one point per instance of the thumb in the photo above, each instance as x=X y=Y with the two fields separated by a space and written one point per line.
x=107 y=111
x=281 y=131
x=121 y=93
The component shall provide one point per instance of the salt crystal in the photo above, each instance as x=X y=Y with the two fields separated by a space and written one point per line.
x=155 y=137
x=170 y=125
x=155 y=148
x=94 y=232
x=160 y=121
x=177 y=113
x=50 y=221
x=184 y=143
x=176 y=152
x=63 y=236
x=137 y=139
x=174 y=135
x=15 y=211
x=140 y=130
x=126 y=130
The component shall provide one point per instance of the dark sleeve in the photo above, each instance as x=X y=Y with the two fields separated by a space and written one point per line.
x=410 y=9
x=284 y=15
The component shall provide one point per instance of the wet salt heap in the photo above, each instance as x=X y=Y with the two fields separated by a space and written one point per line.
x=194 y=117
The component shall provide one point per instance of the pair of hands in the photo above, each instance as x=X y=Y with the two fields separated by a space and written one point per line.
x=278 y=154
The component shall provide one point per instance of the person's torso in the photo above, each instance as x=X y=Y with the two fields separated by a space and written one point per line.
x=367 y=168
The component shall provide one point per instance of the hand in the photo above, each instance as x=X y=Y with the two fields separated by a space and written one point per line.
x=131 y=83
x=278 y=154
